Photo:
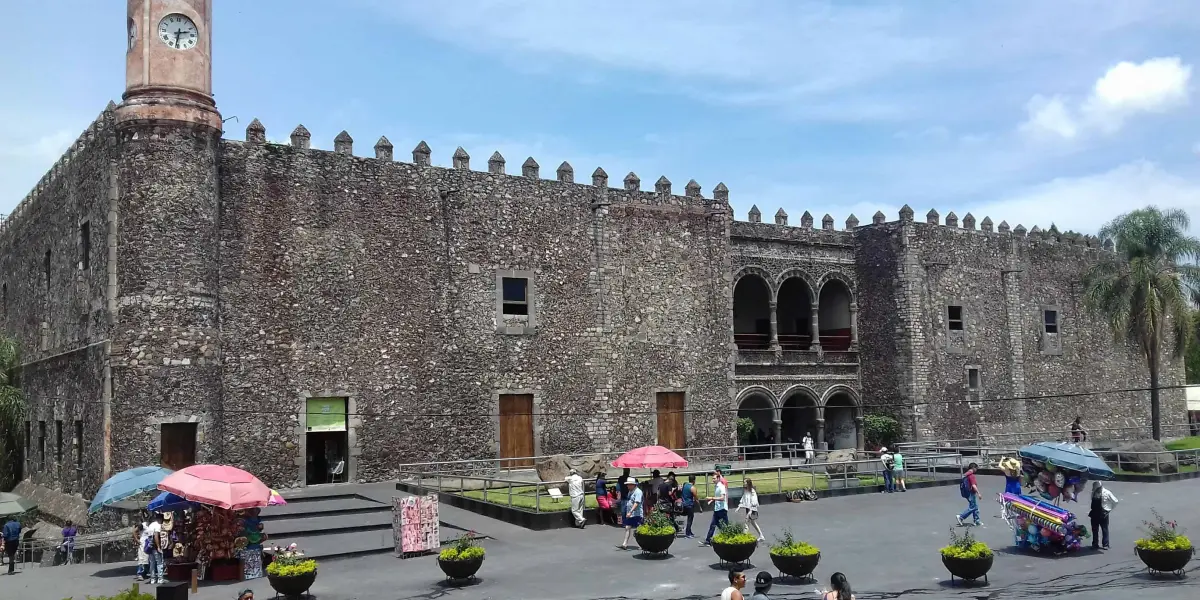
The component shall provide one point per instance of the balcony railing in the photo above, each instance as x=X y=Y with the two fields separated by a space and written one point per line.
x=752 y=341
x=762 y=341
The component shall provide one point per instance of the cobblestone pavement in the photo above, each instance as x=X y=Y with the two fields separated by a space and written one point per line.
x=886 y=544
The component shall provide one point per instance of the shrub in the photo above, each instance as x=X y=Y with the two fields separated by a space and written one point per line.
x=880 y=430
x=657 y=523
x=1163 y=535
x=123 y=595
x=466 y=547
x=965 y=547
x=290 y=562
x=734 y=533
x=788 y=546
x=745 y=427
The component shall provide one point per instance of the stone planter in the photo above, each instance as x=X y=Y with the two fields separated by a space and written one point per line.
x=734 y=553
x=1165 y=561
x=796 y=566
x=460 y=569
x=295 y=586
x=968 y=569
x=653 y=543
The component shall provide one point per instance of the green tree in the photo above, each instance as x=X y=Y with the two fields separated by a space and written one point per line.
x=1145 y=292
x=12 y=413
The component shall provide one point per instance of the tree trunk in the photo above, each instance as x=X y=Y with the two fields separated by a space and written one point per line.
x=1155 y=408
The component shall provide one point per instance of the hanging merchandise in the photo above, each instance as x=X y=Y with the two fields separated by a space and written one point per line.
x=1041 y=526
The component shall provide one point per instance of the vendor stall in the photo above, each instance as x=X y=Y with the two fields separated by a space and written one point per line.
x=1051 y=474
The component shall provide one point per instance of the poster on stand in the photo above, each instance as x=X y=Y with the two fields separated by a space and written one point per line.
x=415 y=525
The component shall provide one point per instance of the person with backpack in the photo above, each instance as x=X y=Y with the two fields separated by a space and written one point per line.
x=969 y=490
x=888 y=463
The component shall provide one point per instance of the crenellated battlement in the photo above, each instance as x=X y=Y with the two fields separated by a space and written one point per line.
x=630 y=192
x=98 y=128
x=986 y=227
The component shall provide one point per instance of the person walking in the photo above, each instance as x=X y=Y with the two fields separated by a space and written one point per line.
x=762 y=585
x=969 y=490
x=840 y=588
x=11 y=532
x=1103 y=502
x=889 y=462
x=688 y=497
x=898 y=471
x=808 y=448
x=143 y=558
x=749 y=503
x=68 y=544
x=603 y=505
x=622 y=492
x=575 y=491
x=633 y=511
x=737 y=581
x=719 y=500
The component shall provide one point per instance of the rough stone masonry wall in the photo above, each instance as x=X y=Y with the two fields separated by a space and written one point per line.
x=61 y=323
x=1004 y=281
x=378 y=280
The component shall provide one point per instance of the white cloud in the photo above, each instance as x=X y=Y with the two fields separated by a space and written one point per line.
x=24 y=158
x=1127 y=89
x=1087 y=202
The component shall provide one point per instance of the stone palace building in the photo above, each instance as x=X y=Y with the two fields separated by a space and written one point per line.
x=180 y=296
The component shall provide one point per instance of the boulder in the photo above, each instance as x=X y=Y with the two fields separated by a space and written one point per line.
x=1131 y=456
x=840 y=461
x=557 y=467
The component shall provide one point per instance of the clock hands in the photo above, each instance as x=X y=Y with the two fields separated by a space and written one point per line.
x=178 y=32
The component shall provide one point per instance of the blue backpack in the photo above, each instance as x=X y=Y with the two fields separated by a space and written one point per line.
x=964 y=487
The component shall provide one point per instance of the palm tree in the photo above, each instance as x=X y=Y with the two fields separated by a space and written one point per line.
x=1145 y=293
x=12 y=412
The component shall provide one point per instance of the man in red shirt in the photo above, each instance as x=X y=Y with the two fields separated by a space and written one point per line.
x=970 y=490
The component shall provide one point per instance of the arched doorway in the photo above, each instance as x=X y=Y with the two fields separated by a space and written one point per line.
x=841 y=425
x=759 y=408
x=752 y=313
x=834 y=315
x=799 y=416
x=794 y=315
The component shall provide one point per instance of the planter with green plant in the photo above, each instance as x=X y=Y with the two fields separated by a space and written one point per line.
x=133 y=593
x=967 y=558
x=733 y=544
x=794 y=558
x=290 y=573
x=1164 y=549
x=656 y=534
x=463 y=559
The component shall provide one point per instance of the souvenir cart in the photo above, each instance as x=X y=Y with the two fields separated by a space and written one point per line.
x=1051 y=474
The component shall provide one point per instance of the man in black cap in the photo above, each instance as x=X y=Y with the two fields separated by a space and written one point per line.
x=762 y=585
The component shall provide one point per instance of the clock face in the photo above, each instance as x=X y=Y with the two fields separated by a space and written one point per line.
x=178 y=32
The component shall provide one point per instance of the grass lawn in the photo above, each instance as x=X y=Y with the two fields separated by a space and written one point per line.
x=767 y=483
x=1182 y=469
x=1187 y=443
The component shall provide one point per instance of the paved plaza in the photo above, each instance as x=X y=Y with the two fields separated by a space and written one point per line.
x=886 y=544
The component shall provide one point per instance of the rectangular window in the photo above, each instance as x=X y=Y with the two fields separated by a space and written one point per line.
x=972 y=379
x=85 y=246
x=58 y=439
x=78 y=444
x=42 y=443
x=4 y=295
x=46 y=269
x=1050 y=321
x=516 y=296
x=955 y=316
x=28 y=438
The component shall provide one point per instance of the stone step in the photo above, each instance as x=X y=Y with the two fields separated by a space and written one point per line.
x=340 y=545
x=328 y=524
x=344 y=505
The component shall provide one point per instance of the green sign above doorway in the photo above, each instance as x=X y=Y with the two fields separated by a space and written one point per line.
x=326 y=414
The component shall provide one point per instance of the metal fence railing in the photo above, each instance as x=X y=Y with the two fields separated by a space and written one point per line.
x=1094 y=436
x=1126 y=462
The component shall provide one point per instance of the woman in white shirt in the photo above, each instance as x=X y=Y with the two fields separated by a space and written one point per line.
x=749 y=503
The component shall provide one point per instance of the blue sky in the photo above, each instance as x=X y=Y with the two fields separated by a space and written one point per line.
x=1025 y=111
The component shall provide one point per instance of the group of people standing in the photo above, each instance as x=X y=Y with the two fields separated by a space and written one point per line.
x=839 y=587
x=893 y=471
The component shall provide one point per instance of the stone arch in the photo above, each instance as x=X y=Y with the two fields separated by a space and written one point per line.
x=797 y=273
x=798 y=413
x=758 y=271
x=758 y=404
x=843 y=417
x=795 y=300
x=836 y=276
x=752 y=296
x=835 y=302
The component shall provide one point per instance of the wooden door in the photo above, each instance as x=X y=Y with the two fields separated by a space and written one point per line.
x=516 y=430
x=178 y=445
x=670 y=420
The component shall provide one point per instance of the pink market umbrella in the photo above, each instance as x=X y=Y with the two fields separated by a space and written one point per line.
x=276 y=499
x=649 y=457
x=218 y=485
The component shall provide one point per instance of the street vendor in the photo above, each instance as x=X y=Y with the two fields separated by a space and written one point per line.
x=1012 y=474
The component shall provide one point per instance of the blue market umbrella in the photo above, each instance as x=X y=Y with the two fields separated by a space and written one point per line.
x=168 y=502
x=128 y=484
x=1068 y=456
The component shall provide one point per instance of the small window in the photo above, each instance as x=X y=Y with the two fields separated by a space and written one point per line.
x=1050 y=321
x=955 y=315
x=42 y=443
x=58 y=439
x=85 y=246
x=4 y=297
x=28 y=438
x=972 y=379
x=78 y=444
x=516 y=296
x=46 y=270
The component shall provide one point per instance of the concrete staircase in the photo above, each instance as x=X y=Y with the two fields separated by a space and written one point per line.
x=333 y=522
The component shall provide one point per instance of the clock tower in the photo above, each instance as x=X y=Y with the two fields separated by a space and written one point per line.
x=168 y=63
